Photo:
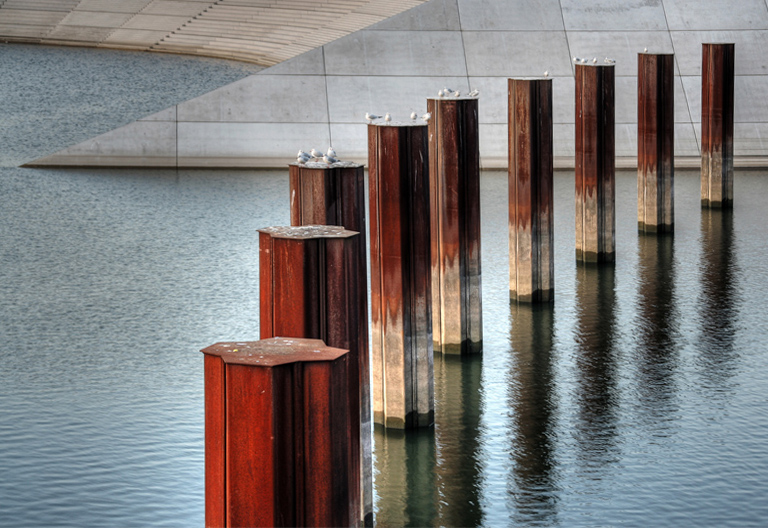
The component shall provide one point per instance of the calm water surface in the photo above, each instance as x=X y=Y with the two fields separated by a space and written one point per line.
x=638 y=398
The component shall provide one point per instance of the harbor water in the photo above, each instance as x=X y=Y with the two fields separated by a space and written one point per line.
x=639 y=397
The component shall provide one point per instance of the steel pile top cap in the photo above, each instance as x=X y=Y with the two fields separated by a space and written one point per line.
x=307 y=232
x=274 y=351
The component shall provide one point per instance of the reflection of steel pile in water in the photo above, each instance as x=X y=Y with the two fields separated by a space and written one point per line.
x=531 y=483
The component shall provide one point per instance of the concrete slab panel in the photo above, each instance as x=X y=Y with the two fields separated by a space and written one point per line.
x=564 y=138
x=135 y=37
x=169 y=114
x=623 y=46
x=309 y=63
x=626 y=140
x=350 y=97
x=517 y=53
x=156 y=22
x=436 y=15
x=494 y=99
x=262 y=98
x=175 y=8
x=351 y=141
x=199 y=141
x=95 y=19
x=750 y=139
x=78 y=33
x=686 y=143
x=124 y=6
x=751 y=50
x=614 y=15
x=493 y=143
x=150 y=142
x=369 y=52
x=500 y=15
x=716 y=14
x=750 y=104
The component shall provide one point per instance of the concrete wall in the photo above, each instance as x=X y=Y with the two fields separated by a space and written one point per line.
x=321 y=97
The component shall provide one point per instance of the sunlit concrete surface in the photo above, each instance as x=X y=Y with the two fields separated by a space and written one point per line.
x=320 y=97
x=262 y=31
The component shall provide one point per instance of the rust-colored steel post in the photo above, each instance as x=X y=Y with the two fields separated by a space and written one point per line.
x=323 y=194
x=717 y=75
x=309 y=288
x=531 y=228
x=454 y=193
x=278 y=439
x=655 y=142
x=595 y=163
x=401 y=297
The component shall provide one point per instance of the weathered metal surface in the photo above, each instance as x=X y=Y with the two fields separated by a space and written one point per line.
x=401 y=348
x=278 y=435
x=595 y=163
x=531 y=228
x=717 y=77
x=335 y=195
x=655 y=142
x=454 y=193
x=310 y=288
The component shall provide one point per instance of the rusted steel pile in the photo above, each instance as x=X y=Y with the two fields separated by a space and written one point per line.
x=289 y=418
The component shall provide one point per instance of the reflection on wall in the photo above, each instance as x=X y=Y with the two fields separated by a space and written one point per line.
x=431 y=476
x=458 y=401
x=658 y=330
x=596 y=386
x=719 y=296
x=532 y=483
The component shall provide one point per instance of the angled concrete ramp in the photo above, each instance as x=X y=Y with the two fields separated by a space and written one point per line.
x=262 y=31
x=321 y=96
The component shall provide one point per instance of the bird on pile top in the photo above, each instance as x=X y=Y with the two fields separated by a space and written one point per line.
x=314 y=154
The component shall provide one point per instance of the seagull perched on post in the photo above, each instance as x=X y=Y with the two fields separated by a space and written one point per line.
x=329 y=159
x=594 y=61
x=440 y=93
x=331 y=152
x=426 y=117
x=371 y=117
x=610 y=61
x=414 y=115
x=316 y=153
x=546 y=73
x=474 y=93
x=387 y=117
x=645 y=50
x=303 y=157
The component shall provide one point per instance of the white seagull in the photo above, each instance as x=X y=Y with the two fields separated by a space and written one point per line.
x=474 y=93
x=594 y=61
x=440 y=93
x=371 y=117
x=426 y=117
x=329 y=159
x=414 y=115
x=387 y=117
x=645 y=50
x=610 y=61
x=316 y=153
x=331 y=152
x=302 y=157
x=546 y=73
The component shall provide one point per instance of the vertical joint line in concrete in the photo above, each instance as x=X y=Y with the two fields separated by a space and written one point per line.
x=567 y=42
x=463 y=47
x=327 y=102
x=680 y=75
